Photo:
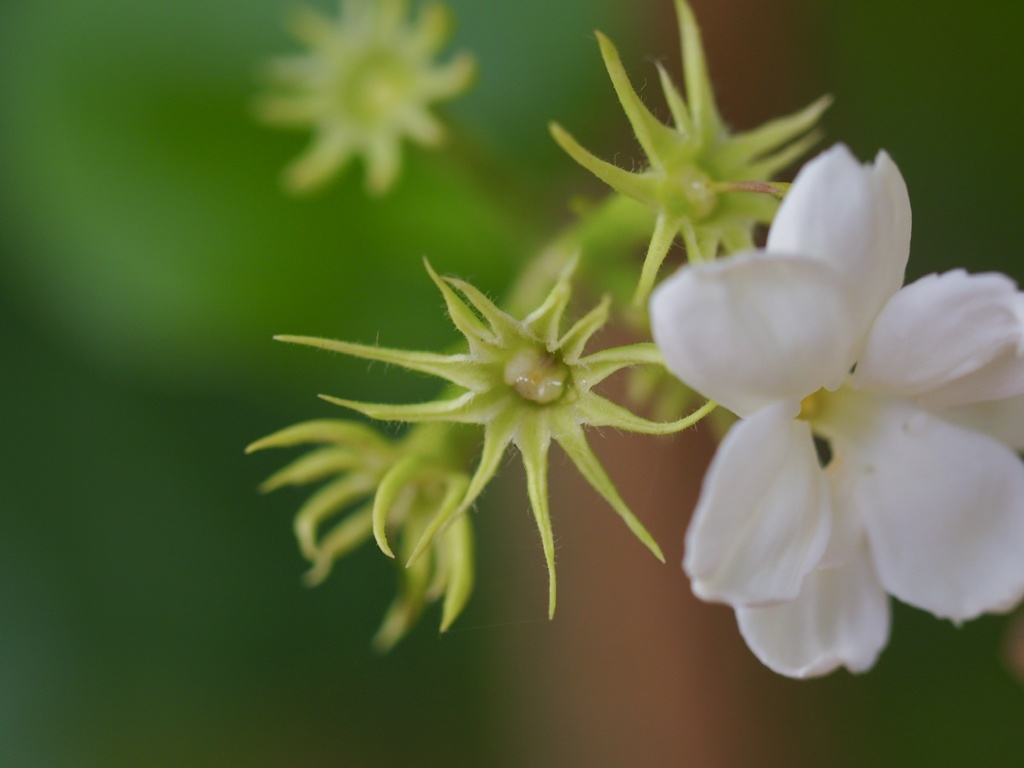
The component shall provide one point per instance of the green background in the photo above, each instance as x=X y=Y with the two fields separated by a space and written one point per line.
x=151 y=611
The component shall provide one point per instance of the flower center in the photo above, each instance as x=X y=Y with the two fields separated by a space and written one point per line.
x=375 y=87
x=690 y=192
x=536 y=375
x=811 y=406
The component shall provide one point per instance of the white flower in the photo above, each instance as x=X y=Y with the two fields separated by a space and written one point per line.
x=923 y=497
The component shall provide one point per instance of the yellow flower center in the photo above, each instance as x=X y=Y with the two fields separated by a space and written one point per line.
x=812 y=405
x=536 y=375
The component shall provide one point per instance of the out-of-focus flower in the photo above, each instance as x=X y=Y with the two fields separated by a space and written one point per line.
x=366 y=83
x=526 y=383
x=918 y=394
x=412 y=483
x=698 y=175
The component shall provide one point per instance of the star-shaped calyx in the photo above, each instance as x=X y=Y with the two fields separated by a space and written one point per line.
x=412 y=483
x=526 y=383
x=365 y=84
x=700 y=179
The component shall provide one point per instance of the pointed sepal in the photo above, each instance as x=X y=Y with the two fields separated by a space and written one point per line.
x=574 y=443
x=533 y=441
x=657 y=140
x=546 y=320
x=339 y=541
x=576 y=338
x=458 y=369
x=632 y=185
x=389 y=494
x=455 y=491
x=460 y=563
x=699 y=93
x=665 y=230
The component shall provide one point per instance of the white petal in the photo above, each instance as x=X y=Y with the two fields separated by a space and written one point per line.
x=753 y=329
x=1002 y=419
x=762 y=520
x=840 y=619
x=847 y=530
x=942 y=329
x=855 y=217
x=944 y=511
x=1001 y=378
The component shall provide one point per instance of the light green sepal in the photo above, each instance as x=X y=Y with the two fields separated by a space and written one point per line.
x=785 y=157
x=533 y=440
x=665 y=230
x=458 y=369
x=599 y=366
x=676 y=103
x=545 y=321
x=604 y=413
x=699 y=92
x=433 y=29
x=749 y=146
x=321 y=431
x=572 y=440
x=314 y=466
x=634 y=185
x=657 y=140
x=389 y=493
x=503 y=325
x=497 y=435
x=460 y=555
x=466 y=321
x=460 y=409
x=332 y=498
x=414 y=582
x=455 y=492
x=577 y=337
x=342 y=539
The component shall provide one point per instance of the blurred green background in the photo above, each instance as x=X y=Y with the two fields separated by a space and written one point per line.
x=152 y=610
